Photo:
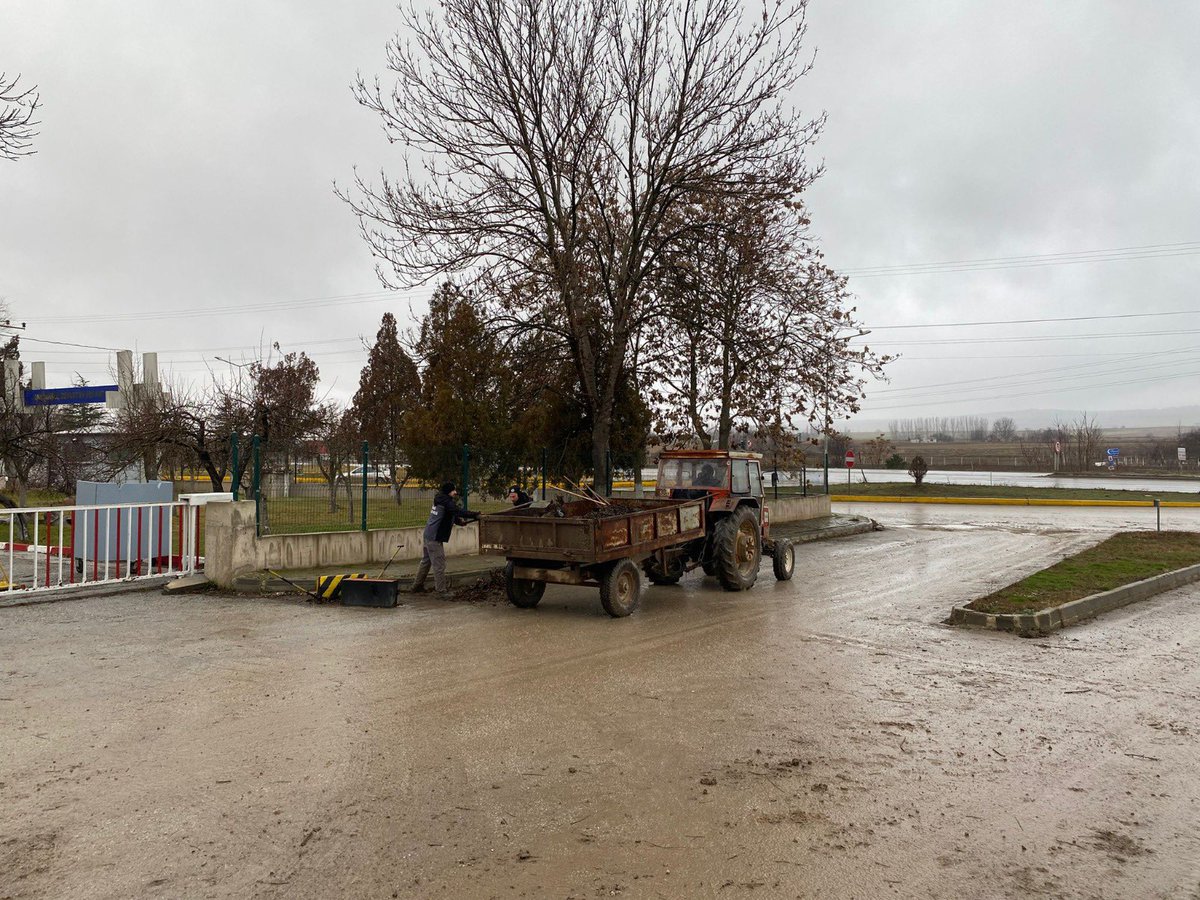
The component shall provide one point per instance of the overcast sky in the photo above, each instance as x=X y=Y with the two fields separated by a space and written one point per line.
x=181 y=197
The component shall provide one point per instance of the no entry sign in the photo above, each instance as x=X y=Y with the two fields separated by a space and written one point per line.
x=849 y=459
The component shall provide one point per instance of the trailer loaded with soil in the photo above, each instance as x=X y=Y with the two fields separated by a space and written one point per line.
x=708 y=512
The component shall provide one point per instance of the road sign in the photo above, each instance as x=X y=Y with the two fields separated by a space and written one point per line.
x=849 y=459
x=92 y=393
x=1182 y=451
x=1113 y=451
x=1058 y=446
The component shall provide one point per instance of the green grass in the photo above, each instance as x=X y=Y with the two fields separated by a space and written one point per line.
x=908 y=489
x=1122 y=559
x=307 y=515
x=34 y=498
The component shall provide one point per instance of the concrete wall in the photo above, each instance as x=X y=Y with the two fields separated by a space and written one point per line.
x=232 y=548
x=793 y=509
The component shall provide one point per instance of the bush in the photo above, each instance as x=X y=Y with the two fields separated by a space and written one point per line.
x=895 y=461
x=918 y=468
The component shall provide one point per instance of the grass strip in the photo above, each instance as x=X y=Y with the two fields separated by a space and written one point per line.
x=1121 y=559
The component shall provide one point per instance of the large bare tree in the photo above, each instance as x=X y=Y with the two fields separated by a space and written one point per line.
x=553 y=144
x=17 y=126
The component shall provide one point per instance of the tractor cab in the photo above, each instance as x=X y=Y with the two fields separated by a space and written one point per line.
x=723 y=475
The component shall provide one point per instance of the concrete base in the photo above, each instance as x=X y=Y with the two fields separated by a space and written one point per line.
x=1047 y=620
x=186 y=585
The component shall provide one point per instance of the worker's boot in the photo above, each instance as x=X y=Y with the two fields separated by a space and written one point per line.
x=418 y=585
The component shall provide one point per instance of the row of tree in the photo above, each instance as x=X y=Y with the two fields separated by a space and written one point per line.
x=953 y=428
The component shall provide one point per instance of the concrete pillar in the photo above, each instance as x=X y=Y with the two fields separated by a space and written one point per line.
x=230 y=542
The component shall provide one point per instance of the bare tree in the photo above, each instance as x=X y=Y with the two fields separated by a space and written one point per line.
x=1087 y=437
x=17 y=125
x=555 y=140
x=336 y=429
x=192 y=427
x=1004 y=430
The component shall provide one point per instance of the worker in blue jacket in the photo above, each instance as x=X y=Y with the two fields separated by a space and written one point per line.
x=443 y=516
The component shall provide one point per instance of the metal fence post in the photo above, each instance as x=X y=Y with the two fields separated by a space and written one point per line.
x=366 y=458
x=466 y=475
x=543 y=473
x=608 y=472
x=256 y=482
x=233 y=447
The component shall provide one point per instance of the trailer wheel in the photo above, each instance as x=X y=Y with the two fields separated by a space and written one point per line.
x=621 y=588
x=657 y=575
x=710 y=568
x=783 y=560
x=522 y=592
x=737 y=542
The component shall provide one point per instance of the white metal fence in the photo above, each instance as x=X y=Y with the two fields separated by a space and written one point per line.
x=55 y=547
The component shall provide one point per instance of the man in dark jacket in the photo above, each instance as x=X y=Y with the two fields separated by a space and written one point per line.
x=445 y=514
x=518 y=497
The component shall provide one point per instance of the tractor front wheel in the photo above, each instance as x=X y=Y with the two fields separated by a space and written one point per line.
x=737 y=546
x=783 y=560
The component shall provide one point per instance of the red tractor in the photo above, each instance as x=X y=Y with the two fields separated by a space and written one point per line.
x=737 y=521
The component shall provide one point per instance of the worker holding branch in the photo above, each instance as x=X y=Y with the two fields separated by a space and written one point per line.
x=443 y=516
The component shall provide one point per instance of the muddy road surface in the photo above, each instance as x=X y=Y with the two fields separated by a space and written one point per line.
x=826 y=737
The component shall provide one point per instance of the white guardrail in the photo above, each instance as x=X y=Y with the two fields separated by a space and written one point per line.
x=77 y=546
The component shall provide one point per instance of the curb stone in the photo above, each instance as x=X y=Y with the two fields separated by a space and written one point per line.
x=1047 y=620
x=861 y=527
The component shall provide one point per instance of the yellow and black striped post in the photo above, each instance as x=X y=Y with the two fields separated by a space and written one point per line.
x=329 y=587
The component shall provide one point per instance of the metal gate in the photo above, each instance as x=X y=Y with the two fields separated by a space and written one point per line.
x=75 y=546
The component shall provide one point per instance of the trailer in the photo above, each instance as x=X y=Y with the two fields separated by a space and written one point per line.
x=584 y=542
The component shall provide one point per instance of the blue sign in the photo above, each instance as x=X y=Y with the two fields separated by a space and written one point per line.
x=91 y=393
x=1113 y=451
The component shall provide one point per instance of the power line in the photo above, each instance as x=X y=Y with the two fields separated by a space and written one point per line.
x=1149 y=251
x=1031 y=339
x=1038 y=374
x=272 y=306
x=1179 y=312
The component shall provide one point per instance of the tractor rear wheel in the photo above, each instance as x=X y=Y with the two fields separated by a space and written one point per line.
x=783 y=560
x=522 y=592
x=737 y=546
x=621 y=588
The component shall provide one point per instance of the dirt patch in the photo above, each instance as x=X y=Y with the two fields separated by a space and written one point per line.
x=1118 y=846
x=485 y=589
x=22 y=860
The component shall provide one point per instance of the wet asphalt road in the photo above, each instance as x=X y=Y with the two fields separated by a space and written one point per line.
x=827 y=737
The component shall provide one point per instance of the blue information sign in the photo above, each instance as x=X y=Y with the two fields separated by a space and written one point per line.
x=1113 y=451
x=92 y=393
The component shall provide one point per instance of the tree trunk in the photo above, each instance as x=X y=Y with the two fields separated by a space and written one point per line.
x=601 y=439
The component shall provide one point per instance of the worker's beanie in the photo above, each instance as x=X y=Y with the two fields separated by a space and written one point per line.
x=447 y=487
